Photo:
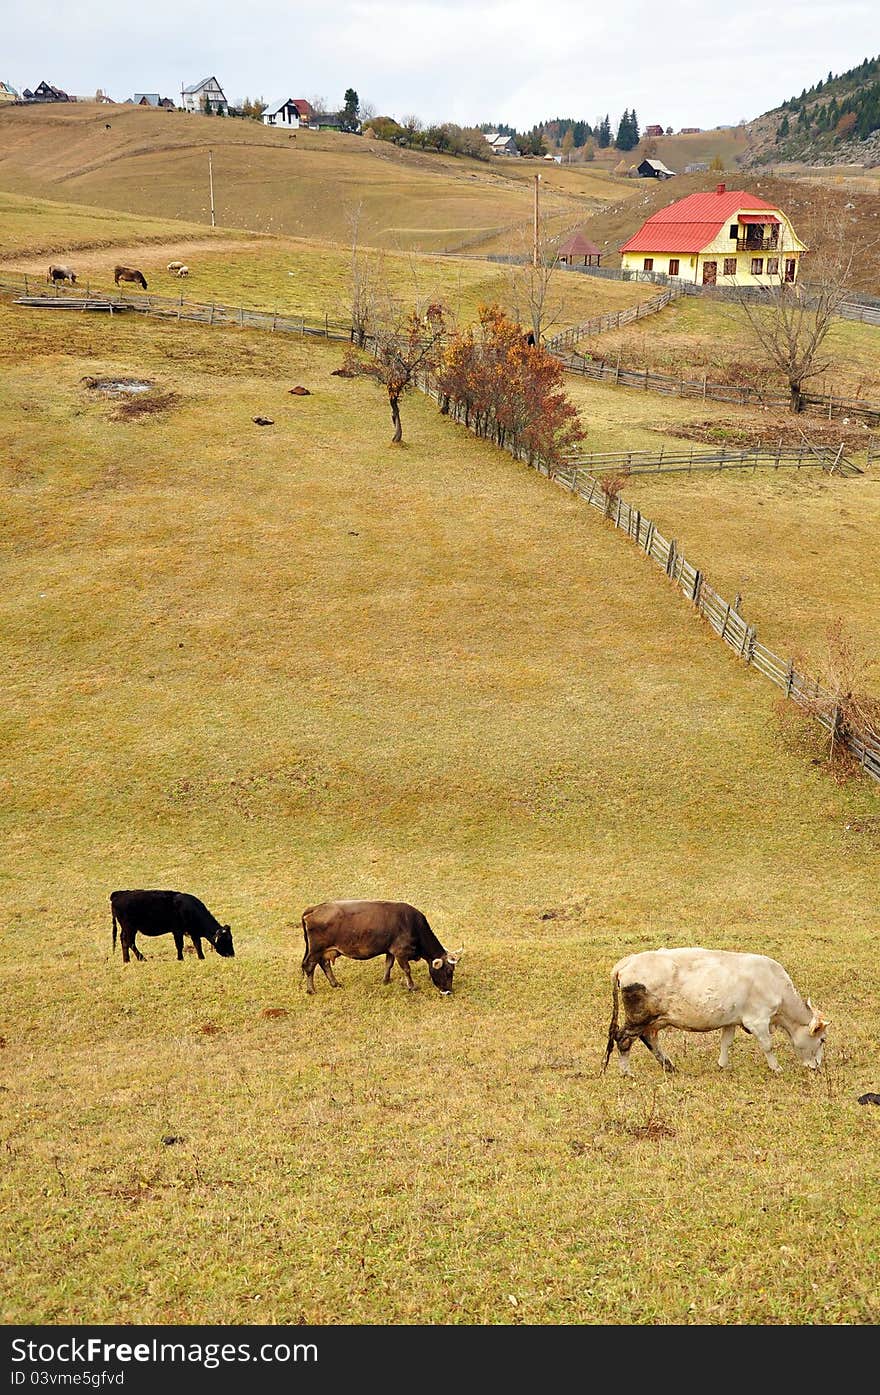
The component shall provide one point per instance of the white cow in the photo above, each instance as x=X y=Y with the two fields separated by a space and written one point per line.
x=183 y=271
x=702 y=990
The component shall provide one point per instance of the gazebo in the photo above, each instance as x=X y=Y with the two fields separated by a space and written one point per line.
x=576 y=247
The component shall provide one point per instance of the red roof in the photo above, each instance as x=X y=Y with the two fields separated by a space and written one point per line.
x=690 y=224
x=579 y=246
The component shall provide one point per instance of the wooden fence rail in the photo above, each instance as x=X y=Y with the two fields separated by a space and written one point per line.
x=829 y=404
x=642 y=462
x=31 y=290
x=568 y=338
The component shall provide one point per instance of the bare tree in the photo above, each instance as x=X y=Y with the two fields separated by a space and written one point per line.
x=791 y=323
x=366 y=283
x=407 y=349
x=318 y=105
x=534 y=285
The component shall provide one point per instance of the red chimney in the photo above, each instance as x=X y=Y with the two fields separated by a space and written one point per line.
x=721 y=189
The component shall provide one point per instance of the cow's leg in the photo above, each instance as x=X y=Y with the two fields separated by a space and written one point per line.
x=727 y=1035
x=178 y=942
x=309 y=964
x=129 y=944
x=651 y=1039
x=197 y=941
x=405 y=970
x=389 y=965
x=327 y=966
x=761 y=1032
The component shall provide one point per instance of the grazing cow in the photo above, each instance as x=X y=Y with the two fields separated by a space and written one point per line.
x=166 y=913
x=61 y=273
x=129 y=273
x=365 y=929
x=183 y=271
x=174 y=266
x=530 y=339
x=702 y=990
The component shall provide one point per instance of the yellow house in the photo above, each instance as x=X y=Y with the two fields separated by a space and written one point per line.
x=7 y=93
x=724 y=238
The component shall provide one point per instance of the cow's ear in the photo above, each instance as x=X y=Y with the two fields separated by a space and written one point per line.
x=436 y=963
x=455 y=955
x=818 y=1024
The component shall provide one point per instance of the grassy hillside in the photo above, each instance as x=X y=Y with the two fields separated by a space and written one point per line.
x=156 y=163
x=270 y=665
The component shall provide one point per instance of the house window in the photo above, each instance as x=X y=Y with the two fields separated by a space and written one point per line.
x=648 y=264
x=757 y=266
x=772 y=266
x=730 y=266
x=673 y=266
x=734 y=231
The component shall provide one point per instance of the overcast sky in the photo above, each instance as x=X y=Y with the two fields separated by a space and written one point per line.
x=516 y=61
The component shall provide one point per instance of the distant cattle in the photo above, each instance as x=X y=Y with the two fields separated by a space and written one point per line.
x=174 y=913
x=174 y=266
x=61 y=273
x=702 y=990
x=366 y=929
x=129 y=273
x=183 y=271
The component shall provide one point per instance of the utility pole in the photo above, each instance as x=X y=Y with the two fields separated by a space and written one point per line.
x=211 y=182
x=535 y=242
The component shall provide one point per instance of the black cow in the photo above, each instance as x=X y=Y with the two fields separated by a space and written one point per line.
x=365 y=929
x=166 y=913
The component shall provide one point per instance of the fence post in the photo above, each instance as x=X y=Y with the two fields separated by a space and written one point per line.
x=670 y=560
x=211 y=320
x=725 y=620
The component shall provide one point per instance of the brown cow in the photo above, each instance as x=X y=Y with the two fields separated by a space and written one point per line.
x=365 y=929
x=129 y=273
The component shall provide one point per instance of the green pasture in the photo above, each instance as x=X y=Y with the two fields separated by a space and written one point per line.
x=271 y=665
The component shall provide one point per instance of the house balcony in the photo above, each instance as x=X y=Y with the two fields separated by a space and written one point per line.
x=752 y=244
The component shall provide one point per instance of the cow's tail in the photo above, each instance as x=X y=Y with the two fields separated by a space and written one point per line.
x=308 y=948
x=615 y=1018
x=113 y=913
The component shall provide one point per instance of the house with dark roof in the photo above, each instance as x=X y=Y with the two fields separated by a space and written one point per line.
x=728 y=237
x=654 y=169
x=204 y=95
x=151 y=99
x=45 y=92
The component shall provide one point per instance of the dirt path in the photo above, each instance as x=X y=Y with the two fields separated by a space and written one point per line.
x=96 y=257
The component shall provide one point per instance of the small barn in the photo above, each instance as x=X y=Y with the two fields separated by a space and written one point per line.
x=654 y=169
x=653 y=130
x=576 y=248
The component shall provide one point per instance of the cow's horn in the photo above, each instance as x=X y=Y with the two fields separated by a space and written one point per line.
x=455 y=955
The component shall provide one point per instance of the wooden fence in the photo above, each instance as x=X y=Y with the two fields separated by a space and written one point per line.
x=829 y=404
x=32 y=291
x=568 y=338
x=663 y=461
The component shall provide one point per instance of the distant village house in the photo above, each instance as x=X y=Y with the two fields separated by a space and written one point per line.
x=725 y=238
x=204 y=94
x=690 y=131
x=501 y=145
x=653 y=130
x=288 y=112
x=654 y=169
x=7 y=93
x=45 y=92
x=150 y=99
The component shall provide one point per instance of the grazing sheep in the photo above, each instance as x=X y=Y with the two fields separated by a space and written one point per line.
x=174 y=266
x=183 y=271
x=61 y=273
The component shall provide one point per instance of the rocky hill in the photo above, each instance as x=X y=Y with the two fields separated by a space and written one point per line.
x=837 y=121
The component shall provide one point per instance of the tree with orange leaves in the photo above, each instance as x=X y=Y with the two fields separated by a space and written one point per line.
x=508 y=390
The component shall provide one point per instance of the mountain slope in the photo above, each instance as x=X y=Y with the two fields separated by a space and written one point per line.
x=835 y=121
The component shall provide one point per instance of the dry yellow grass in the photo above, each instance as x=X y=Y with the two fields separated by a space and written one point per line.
x=153 y=162
x=272 y=665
